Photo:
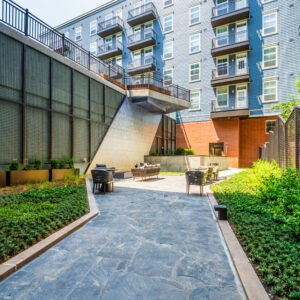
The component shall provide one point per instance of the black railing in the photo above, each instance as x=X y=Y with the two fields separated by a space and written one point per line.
x=233 y=69
x=228 y=7
x=140 y=62
x=230 y=39
x=141 y=9
x=227 y=105
x=171 y=89
x=141 y=36
x=110 y=23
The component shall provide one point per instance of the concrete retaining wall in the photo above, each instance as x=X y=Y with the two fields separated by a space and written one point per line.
x=185 y=163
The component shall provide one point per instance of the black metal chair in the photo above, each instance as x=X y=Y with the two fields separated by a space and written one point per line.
x=102 y=179
x=100 y=166
x=195 y=178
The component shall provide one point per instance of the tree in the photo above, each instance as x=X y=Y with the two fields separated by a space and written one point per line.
x=288 y=106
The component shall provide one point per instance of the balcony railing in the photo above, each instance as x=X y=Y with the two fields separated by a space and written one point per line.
x=150 y=80
x=110 y=47
x=135 y=12
x=230 y=39
x=229 y=7
x=110 y=23
x=137 y=63
x=227 y=105
x=141 y=36
x=237 y=69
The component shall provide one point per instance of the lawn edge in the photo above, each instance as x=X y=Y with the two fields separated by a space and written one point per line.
x=21 y=259
x=252 y=285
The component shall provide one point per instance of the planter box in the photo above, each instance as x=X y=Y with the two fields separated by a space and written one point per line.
x=59 y=174
x=28 y=176
x=2 y=179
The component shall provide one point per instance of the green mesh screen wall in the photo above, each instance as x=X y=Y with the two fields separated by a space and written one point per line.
x=55 y=127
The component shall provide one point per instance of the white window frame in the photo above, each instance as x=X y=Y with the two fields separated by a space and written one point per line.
x=270 y=12
x=199 y=43
x=96 y=47
x=172 y=27
x=168 y=68
x=190 y=69
x=76 y=31
x=93 y=23
x=270 y=79
x=266 y=1
x=67 y=34
x=217 y=103
x=199 y=99
x=267 y=121
x=172 y=48
x=167 y=5
x=263 y=56
x=118 y=59
x=190 y=19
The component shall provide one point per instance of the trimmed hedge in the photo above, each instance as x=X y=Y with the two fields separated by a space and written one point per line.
x=29 y=217
x=265 y=219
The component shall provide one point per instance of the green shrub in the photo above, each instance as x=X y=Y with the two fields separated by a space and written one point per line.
x=62 y=164
x=153 y=153
x=189 y=151
x=70 y=163
x=37 y=164
x=14 y=166
x=54 y=164
x=179 y=151
x=28 y=167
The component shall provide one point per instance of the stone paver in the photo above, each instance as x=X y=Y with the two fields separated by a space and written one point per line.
x=150 y=241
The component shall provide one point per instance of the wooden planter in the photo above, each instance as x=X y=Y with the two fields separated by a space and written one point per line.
x=28 y=176
x=2 y=179
x=60 y=174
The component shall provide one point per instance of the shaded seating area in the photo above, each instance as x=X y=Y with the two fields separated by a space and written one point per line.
x=143 y=171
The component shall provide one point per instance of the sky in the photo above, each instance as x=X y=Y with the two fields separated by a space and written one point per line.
x=56 y=12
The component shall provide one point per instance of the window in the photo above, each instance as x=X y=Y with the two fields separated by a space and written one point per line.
x=270 y=23
x=168 y=3
x=222 y=36
x=78 y=33
x=270 y=57
x=119 y=61
x=67 y=34
x=168 y=23
x=222 y=66
x=168 y=49
x=119 y=13
x=195 y=71
x=195 y=42
x=194 y=15
x=119 y=37
x=195 y=99
x=266 y=1
x=222 y=97
x=148 y=56
x=270 y=126
x=222 y=7
x=168 y=75
x=216 y=149
x=93 y=27
x=93 y=48
x=270 y=90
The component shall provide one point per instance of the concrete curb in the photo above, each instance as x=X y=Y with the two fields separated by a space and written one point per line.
x=34 y=251
x=253 y=287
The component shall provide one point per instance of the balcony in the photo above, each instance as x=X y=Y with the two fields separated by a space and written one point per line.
x=232 y=74
x=110 y=27
x=140 y=40
x=141 y=14
x=150 y=93
x=110 y=50
x=141 y=65
x=230 y=43
x=230 y=12
x=238 y=108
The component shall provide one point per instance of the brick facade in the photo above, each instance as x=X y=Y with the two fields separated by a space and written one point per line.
x=241 y=138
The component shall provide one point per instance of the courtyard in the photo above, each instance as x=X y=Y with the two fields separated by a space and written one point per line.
x=149 y=241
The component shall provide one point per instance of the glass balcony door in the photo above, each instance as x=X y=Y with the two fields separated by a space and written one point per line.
x=241 y=32
x=222 y=36
x=241 y=64
x=148 y=56
x=148 y=30
x=222 y=67
x=108 y=46
x=222 y=7
x=241 y=97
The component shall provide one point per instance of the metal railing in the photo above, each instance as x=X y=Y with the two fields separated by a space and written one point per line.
x=110 y=23
x=140 y=62
x=228 y=7
x=141 y=36
x=110 y=47
x=230 y=104
x=230 y=39
x=150 y=80
x=141 y=9
x=236 y=69
x=284 y=142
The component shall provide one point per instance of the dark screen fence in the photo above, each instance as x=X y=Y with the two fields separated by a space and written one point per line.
x=47 y=109
x=284 y=144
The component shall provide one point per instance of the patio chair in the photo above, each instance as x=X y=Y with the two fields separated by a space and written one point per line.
x=209 y=175
x=101 y=179
x=216 y=173
x=195 y=178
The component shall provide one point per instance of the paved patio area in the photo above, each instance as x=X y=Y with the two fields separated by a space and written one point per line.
x=150 y=241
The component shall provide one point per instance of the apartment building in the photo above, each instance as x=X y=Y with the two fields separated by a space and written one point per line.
x=237 y=57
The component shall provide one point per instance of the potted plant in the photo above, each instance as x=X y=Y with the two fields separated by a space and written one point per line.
x=61 y=169
x=31 y=173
